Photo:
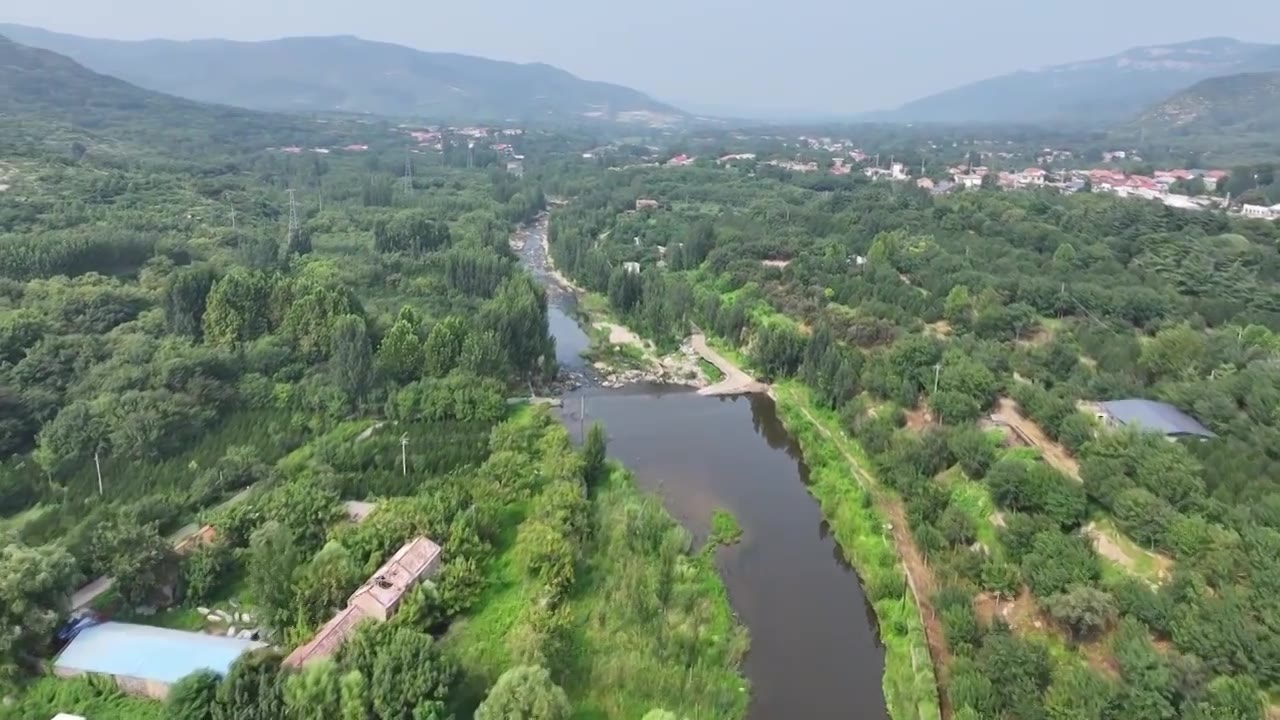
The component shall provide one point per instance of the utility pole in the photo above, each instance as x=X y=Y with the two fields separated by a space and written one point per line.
x=937 y=372
x=582 y=417
x=404 y=457
x=98 y=466
x=293 y=218
x=471 y=146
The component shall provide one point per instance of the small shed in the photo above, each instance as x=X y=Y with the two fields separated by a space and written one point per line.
x=1151 y=416
x=145 y=660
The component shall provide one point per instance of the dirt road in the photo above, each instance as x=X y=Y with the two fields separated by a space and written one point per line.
x=735 y=382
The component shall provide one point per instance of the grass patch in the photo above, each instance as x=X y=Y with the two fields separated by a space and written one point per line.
x=974 y=500
x=95 y=698
x=652 y=624
x=725 y=529
x=618 y=356
x=710 y=370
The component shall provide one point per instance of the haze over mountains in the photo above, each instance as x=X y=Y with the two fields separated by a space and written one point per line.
x=348 y=74
x=1099 y=92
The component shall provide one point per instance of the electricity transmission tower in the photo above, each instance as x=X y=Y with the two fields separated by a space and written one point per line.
x=471 y=147
x=408 y=172
x=292 y=237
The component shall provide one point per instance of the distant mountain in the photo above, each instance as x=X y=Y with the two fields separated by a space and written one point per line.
x=46 y=98
x=1230 y=105
x=1092 y=92
x=348 y=74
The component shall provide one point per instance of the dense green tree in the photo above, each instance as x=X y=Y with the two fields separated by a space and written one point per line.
x=1057 y=561
x=272 y=559
x=353 y=693
x=400 y=353
x=184 y=301
x=139 y=559
x=252 y=689
x=352 y=362
x=34 y=586
x=525 y=693
x=324 y=584
x=193 y=697
x=1077 y=693
x=443 y=348
x=594 y=451
x=1085 y=611
x=313 y=693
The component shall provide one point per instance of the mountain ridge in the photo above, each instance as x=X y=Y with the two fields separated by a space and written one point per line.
x=344 y=73
x=1231 y=104
x=1095 y=91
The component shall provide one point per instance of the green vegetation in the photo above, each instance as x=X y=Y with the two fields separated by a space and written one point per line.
x=710 y=370
x=724 y=528
x=1047 y=301
x=165 y=366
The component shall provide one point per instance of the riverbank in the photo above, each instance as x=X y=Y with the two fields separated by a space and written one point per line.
x=647 y=624
x=617 y=354
x=871 y=527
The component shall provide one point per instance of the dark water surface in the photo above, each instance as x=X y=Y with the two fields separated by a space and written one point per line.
x=814 y=651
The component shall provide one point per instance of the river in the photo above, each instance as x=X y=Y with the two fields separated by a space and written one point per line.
x=814 y=649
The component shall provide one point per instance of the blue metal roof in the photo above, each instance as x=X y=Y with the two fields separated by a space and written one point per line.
x=1155 y=417
x=150 y=653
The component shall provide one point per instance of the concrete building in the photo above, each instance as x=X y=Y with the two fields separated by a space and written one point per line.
x=377 y=599
x=145 y=660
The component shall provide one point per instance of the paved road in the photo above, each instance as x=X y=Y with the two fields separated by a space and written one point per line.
x=735 y=382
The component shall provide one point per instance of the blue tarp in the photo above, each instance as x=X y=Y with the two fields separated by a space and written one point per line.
x=150 y=653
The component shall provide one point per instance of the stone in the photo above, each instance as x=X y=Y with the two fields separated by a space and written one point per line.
x=231 y=631
x=202 y=610
x=246 y=617
x=213 y=617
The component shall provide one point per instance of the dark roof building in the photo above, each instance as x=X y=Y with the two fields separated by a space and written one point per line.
x=1152 y=416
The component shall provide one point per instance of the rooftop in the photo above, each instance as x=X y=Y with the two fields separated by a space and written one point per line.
x=1154 y=416
x=150 y=653
x=329 y=638
x=398 y=574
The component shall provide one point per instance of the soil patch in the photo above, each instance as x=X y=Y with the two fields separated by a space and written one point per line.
x=1008 y=414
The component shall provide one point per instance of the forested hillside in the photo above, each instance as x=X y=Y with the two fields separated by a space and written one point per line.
x=173 y=355
x=352 y=75
x=1072 y=569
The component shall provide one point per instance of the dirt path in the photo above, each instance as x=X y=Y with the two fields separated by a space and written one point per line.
x=1135 y=560
x=1007 y=413
x=919 y=575
x=735 y=382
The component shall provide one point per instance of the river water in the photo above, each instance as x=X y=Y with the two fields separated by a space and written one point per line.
x=814 y=650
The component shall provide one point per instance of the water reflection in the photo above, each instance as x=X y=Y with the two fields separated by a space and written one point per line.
x=814 y=649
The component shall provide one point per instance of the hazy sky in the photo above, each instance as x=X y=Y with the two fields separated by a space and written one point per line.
x=768 y=56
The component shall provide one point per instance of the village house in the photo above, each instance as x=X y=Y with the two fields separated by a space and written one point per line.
x=377 y=599
x=647 y=204
x=1260 y=212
